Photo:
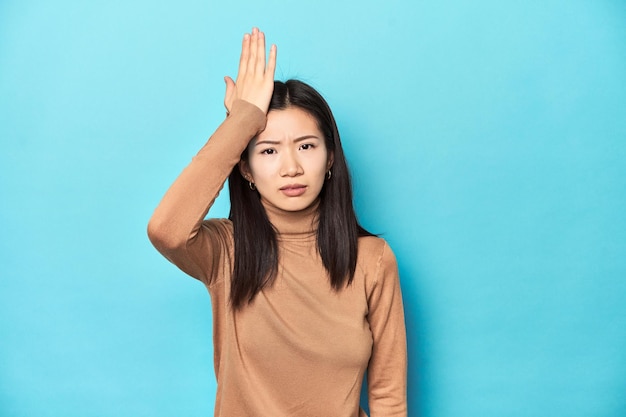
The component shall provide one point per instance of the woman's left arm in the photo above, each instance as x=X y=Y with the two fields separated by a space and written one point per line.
x=387 y=370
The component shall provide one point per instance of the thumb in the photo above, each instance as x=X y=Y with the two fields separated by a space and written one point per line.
x=229 y=82
x=230 y=92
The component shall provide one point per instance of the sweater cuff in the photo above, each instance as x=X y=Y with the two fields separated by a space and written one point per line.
x=248 y=115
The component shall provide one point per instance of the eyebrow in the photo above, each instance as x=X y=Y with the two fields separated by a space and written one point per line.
x=276 y=142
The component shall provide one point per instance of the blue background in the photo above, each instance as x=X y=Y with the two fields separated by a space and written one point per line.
x=488 y=144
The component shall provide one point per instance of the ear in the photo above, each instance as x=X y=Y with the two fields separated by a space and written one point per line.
x=331 y=159
x=244 y=170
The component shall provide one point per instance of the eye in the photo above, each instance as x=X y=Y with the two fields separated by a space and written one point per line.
x=306 y=146
x=268 y=151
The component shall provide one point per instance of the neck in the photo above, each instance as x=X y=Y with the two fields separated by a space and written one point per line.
x=295 y=223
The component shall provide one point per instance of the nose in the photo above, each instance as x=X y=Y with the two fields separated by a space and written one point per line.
x=290 y=166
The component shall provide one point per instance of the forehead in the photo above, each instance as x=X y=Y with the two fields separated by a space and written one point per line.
x=289 y=123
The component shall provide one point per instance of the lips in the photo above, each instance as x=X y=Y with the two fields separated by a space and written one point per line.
x=293 y=190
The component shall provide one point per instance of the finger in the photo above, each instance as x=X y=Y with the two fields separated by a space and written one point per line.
x=230 y=92
x=245 y=53
x=252 y=59
x=229 y=82
x=261 y=53
x=271 y=64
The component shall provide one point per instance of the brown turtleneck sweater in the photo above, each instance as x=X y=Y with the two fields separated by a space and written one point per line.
x=299 y=349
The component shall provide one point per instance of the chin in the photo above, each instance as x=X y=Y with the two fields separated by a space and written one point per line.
x=296 y=206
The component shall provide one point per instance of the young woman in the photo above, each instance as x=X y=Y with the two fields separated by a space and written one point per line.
x=305 y=301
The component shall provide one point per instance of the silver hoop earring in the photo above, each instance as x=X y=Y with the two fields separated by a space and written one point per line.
x=330 y=174
x=251 y=185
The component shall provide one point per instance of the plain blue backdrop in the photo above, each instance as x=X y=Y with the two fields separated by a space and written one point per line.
x=488 y=145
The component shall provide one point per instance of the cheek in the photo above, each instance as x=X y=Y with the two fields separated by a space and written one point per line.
x=259 y=167
x=323 y=163
x=318 y=168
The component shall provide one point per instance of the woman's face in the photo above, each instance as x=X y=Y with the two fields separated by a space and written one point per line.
x=288 y=161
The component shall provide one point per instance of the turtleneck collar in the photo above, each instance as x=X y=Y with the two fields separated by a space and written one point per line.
x=294 y=224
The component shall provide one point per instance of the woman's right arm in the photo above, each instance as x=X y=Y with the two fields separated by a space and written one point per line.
x=176 y=227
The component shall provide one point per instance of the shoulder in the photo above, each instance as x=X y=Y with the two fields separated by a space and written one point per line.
x=221 y=226
x=219 y=232
x=375 y=256
x=218 y=243
x=374 y=246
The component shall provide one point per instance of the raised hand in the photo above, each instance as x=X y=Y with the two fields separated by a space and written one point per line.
x=255 y=79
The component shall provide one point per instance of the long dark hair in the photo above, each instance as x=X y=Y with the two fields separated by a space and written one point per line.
x=256 y=247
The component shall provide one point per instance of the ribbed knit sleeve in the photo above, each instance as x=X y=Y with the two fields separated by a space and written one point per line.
x=176 y=228
x=387 y=370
